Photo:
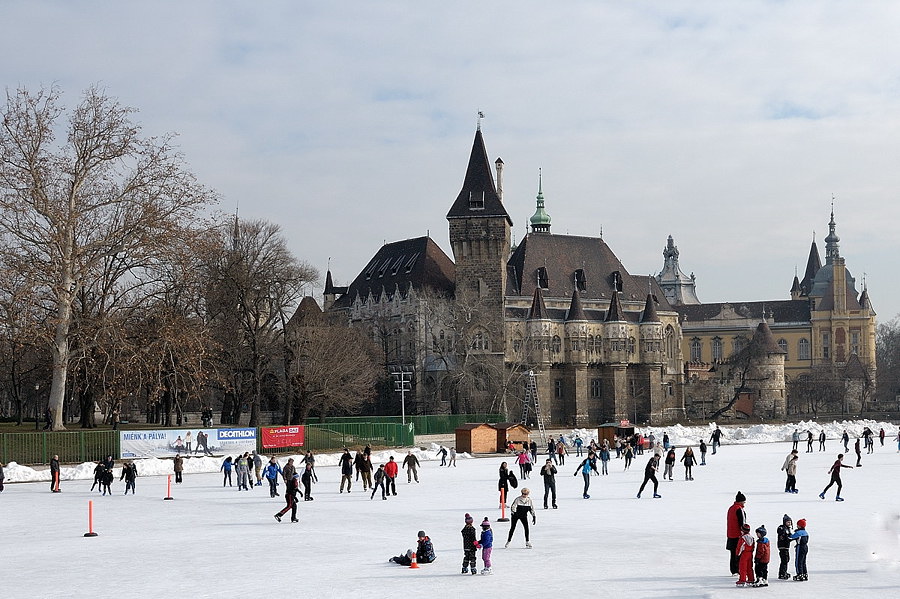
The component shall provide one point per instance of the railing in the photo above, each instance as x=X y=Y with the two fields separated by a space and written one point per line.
x=435 y=424
x=90 y=446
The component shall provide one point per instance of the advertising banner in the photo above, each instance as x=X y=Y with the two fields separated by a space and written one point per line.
x=166 y=443
x=282 y=436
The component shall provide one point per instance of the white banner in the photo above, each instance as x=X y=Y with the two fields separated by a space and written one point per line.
x=167 y=443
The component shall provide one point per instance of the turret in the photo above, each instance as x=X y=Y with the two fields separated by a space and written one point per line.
x=615 y=332
x=651 y=334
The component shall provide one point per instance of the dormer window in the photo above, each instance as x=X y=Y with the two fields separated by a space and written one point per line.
x=476 y=200
x=580 y=281
x=396 y=267
x=371 y=269
x=411 y=262
x=384 y=267
x=542 y=279
x=616 y=280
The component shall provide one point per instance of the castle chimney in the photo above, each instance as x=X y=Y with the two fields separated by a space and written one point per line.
x=499 y=164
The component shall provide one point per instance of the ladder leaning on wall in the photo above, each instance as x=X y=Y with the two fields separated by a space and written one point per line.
x=533 y=403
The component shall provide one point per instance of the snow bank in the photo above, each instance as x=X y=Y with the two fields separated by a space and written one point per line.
x=16 y=473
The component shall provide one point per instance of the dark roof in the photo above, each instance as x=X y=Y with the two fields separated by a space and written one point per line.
x=478 y=197
x=864 y=301
x=538 y=309
x=795 y=286
x=854 y=368
x=615 y=312
x=576 y=312
x=813 y=264
x=307 y=313
x=562 y=255
x=827 y=301
x=764 y=339
x=329 y=286
x=419 y=262
x=649 y=314
x=508 y=425
x=780 y=311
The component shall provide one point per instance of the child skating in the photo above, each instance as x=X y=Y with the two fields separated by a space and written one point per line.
x=744 y=551
x=802 y=537
x=469 y=547
x=761 y=559
x=486 y=543
x=784 y=547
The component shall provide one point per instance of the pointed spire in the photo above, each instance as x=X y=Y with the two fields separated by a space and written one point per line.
x=236 y=233
x=540 y=221
x=813 y=264
x=832 y=249
x=795 y=286
x=538 y=309
x=764 y=339
x=615 y=312
x=329 y=285
x=649 y=314
x=576 y=312
x=478 y=196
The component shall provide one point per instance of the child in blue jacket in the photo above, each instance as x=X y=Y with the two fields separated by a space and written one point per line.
x=487 y=545
x=802 y=537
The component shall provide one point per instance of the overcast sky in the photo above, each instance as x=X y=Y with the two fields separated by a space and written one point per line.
x=728 y=125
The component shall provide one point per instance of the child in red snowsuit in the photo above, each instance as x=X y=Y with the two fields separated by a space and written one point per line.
x=744 y=552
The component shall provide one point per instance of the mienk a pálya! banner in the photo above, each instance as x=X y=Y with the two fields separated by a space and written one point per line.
x=187 y=442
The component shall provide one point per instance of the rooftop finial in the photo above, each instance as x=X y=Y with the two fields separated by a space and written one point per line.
x=480 y=116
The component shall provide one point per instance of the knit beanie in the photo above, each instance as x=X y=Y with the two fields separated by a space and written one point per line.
x=801 y=523
x=469 y=519
x=740 y=497
x=786 y=519
x=486 y=523
x=421 y=534
x=761 y=530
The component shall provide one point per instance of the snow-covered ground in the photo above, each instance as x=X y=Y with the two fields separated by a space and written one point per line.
x=215 y=542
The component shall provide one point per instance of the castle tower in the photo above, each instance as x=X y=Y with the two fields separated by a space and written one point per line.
x=679 y=288
x=577 y=356
x=767 y=373
x=540 y=221
x=480 y=237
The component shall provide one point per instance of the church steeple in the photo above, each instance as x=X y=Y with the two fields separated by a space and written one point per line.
x=832 y=249
x=813 y=264
x=540 y=221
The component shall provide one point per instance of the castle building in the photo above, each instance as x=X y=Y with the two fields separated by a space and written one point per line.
x=603 y=344
x=826 y=323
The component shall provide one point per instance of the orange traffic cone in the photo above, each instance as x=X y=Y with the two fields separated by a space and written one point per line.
x=414 y=564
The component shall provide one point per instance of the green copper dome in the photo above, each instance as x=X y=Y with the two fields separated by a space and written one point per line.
x=540 y=221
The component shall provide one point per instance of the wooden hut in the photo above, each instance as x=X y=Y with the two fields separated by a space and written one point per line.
x=611 y=430
x=511 y=431
x=476 y=437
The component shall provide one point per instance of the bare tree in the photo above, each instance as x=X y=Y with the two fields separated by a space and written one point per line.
x=887 y=354
x=66 y=208
x=254 y=281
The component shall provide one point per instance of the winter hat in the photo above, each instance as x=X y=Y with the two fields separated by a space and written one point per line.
x=469 y=519
x=786 y=519
x=486 y=523
x=761 y=530
x=421 y=534
x=740 y=497
x=745 y=527
x=801 y=523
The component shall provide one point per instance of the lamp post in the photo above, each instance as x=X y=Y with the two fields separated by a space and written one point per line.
x=402 y=383
x=37 y=388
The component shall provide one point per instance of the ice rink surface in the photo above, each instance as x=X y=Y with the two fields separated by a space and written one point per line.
x=212 y=541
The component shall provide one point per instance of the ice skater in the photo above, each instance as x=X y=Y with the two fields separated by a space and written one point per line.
x=744 y=553
x=689 y=461
x=411 y=463
x=585 y=469
x=271 y=473
x=486 y=543
x=650 y=474
x=469 y=547
x=802 y=538
x=129 y=474
x=548 y=472
x=226 y=469
x=784 y=547
x=520 y=509
x=379 y=482
x=735 y=519
x=307 y=478
x=290 y=498
x=424 y=552
x=835 y=471
x=702 y=452
x=761 y=559
x=54 y=474
x=669 y=464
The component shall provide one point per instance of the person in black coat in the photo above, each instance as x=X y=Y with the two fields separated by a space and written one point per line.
x=307 y=479
x=507 y=478
x=54 y=474
x=290 y=497
x=549 y=474
x=650 y=475
x=129 y=474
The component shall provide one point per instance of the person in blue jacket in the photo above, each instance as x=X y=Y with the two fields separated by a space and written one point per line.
x=585 y=469
x=226 y=468
x=486 y=543
x=802 y=537
x=271 y=473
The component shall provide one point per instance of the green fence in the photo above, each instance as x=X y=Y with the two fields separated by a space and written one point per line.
x=335 y=435
x=90 y=446
x=71 y=447
x=435 y=424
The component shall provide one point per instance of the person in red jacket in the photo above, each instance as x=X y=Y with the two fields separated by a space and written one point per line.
x=761 y=561
x=390 y=473
x=744 y=552
x=735 y=520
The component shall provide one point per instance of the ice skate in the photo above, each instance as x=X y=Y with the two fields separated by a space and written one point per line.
x=506 y=546
x=486 y=571
x=822 y=495
x=474 y=570
x=277 y=517
x=527 y=544
x=657 y=496
x=838 y=498
x=465 y=570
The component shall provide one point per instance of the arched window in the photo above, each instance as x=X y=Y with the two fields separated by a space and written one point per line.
x=590 y=343
x=671 y=347
x=696 y=350
x=783 y=345
x=481 y=341
x=517 y=344
x=631 y=344
x=803 y=349
x=738 y=343
x=717 y=349
x=557 y=344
